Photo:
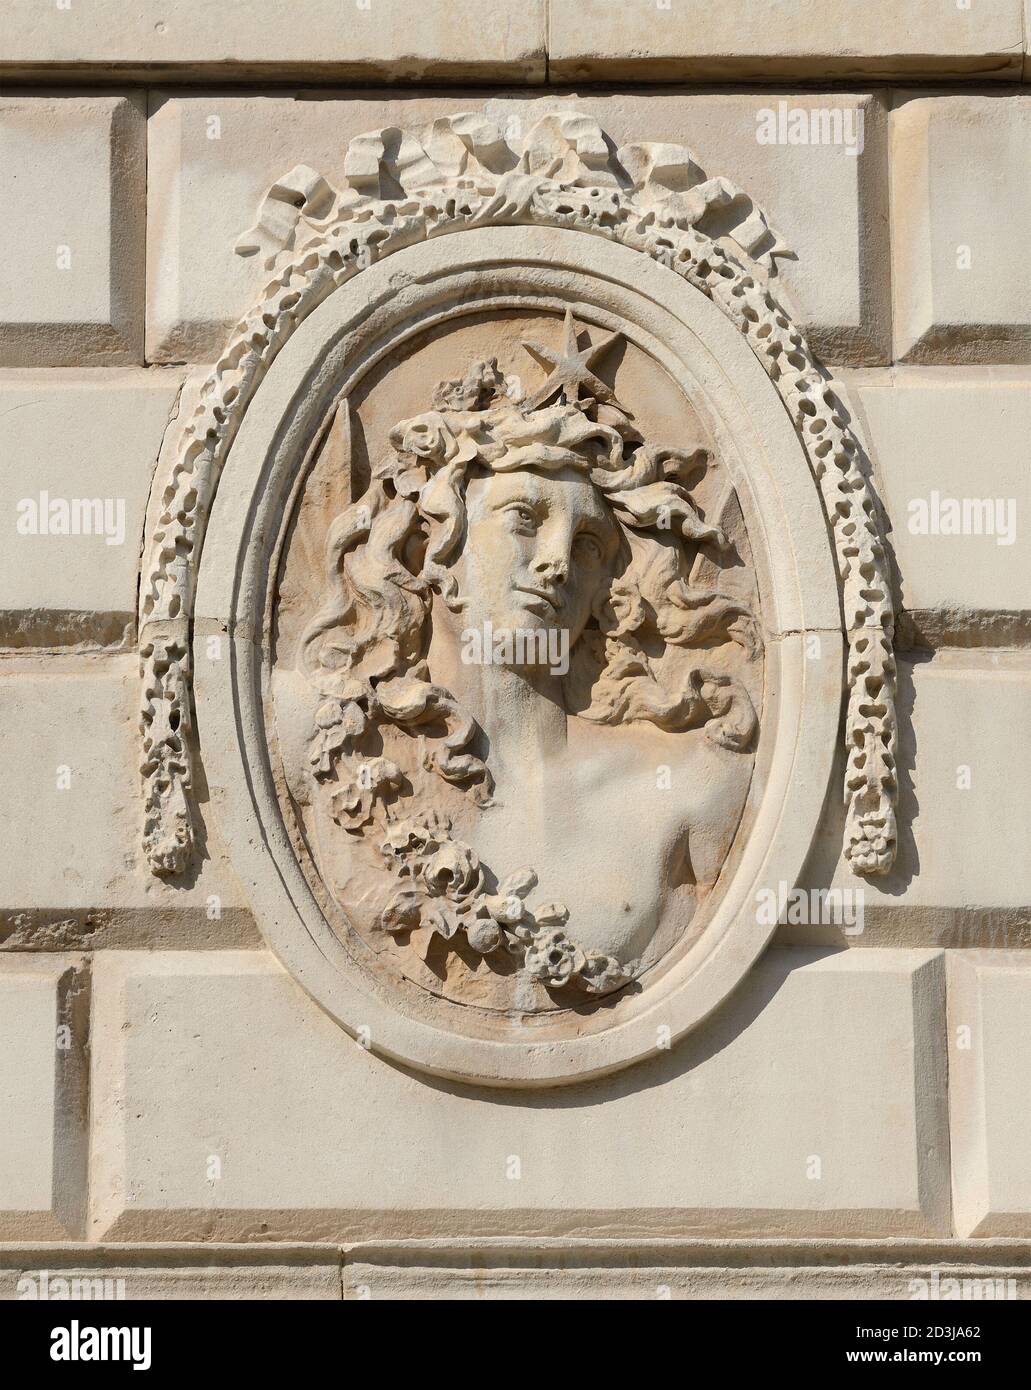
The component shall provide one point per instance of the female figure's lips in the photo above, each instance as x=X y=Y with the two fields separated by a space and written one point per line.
x=537 y=593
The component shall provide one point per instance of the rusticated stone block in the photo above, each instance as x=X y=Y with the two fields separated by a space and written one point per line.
x=960 y=202
x=214 y=157
x=73 y=219
x=957 y=511
x=812 y=1103
x=68 y=735
x=989 y=1056
x=86 y=444
x=43 y=1011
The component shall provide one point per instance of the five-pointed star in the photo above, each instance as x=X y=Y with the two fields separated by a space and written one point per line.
x=570 y=368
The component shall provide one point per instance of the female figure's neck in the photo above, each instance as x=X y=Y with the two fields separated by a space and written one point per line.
x=520 y=709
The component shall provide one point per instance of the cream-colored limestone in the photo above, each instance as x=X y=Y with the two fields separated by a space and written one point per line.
x=79 y=450
x=522 y=1268
x=813 y=1102
x=963 y=872
x=949 y=448
x=72 y=221
x=310 y=39
x=69 y=751
x=659 y=1270
x=676 y=41
x=961 y=201
x=698 y=344
x=989 y=994
x=214 y=157
x=43 y=1011
x=828 y=202
x=80 y=1271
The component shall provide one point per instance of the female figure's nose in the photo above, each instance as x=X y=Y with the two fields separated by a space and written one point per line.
x=552 y=564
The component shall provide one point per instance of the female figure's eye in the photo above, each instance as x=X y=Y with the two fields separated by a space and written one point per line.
x=524 y=517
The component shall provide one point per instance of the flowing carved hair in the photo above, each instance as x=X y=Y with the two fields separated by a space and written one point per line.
x=390 y=552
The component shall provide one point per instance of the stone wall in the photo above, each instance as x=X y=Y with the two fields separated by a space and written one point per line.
x=176 y=1109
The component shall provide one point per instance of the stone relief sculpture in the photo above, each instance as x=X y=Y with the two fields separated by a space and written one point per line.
x=519 y=578
x=622 y=615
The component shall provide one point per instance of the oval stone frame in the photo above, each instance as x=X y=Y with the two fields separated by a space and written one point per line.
x=610 y=285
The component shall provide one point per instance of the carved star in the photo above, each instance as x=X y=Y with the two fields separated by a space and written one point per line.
x=570 y=368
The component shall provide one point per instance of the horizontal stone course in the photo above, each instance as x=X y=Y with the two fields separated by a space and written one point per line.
x=244 y=39
x=456 y=40
x=680 y=40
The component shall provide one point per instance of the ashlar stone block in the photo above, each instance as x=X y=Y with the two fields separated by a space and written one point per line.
x=961 y=199
x=74 y=216
x=43 y=1011
x=812 y=1103
x=78 y=450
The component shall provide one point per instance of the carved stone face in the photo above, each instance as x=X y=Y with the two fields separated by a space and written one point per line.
x=539 y=549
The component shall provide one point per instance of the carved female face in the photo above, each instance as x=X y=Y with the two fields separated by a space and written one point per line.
x=539 y=549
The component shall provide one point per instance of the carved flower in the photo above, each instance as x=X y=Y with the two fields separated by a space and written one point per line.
x=403 y=911
x=428 y=437
x=338 y=724
x=453 y=871
x=602 y=973
x=553 y=959
x=412 y=835
x=440 y=917
x=506 y=906
x=352 y=805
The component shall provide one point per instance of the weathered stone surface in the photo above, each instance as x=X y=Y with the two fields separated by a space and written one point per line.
x=213 y=158
x=668 y=39
x=360 y=1110
x=960 y=201
x=830 y=1068
x=86 y=445
x=676 y=1269
x=73 y=222
x=210 y=1271
x=828 y=202
x=989 y=1056
x=958 y=510
x=43 y=1011
x=86 y=885
x=363 y=39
